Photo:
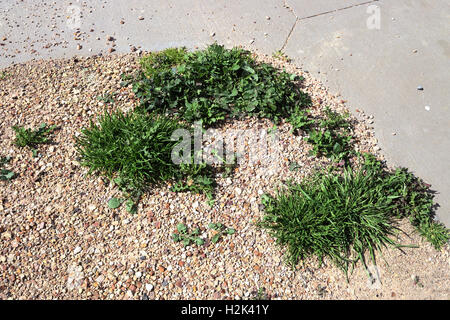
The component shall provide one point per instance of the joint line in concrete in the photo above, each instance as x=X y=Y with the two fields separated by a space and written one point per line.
x=297 y=19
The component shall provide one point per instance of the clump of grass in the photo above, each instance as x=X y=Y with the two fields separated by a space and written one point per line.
x=135 y=150
x=213 y=84
x=32 y=138
x=345 y=215
x=133 y=147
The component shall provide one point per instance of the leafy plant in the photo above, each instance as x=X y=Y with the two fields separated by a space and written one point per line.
x=332 y=137
x=5 y=174
x=165 y=60
x=344 y=215
x=221 y=229
x=187 y=237
x=300 y=120
x=32 y=138
x=114 y=203
x=213 y=84
x=329 y=143
x=127 y=79
x=131 y=206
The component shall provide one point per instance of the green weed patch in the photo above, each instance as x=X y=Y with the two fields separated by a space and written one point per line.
x=343 y=215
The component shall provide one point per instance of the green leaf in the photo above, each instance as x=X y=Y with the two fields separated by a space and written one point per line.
x=181 y=228
x=9 y=175
x=176 y=237
x=216 y=238
x=114 y=203
x=230 y=231
x=212 y=226
x=131 y=206
x=235 y=67
x=199 y=241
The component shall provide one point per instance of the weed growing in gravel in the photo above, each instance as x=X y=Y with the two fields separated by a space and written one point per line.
x=221 y=229
x=134 y=150
x=5 y=174
x=199 y=181
x=32 y=138
x=281 y=55
x=344 y=215
x=331 y=137
x=187 y=237
x=300 y=120
x=213 y=84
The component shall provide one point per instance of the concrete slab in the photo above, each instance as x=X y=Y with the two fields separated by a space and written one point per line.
x=304 y=9
x=35 y=29
x=379 y=70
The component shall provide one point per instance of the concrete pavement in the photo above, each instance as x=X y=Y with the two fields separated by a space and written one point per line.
x=375 y=53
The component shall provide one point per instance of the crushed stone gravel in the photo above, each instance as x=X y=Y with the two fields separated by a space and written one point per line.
x=59 y=239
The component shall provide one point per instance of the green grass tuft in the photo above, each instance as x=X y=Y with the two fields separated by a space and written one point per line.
x=32 y=138
x=345 y=215
x=137 y=148
x=135 y=151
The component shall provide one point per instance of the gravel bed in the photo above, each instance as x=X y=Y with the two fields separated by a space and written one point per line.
x=59 y=239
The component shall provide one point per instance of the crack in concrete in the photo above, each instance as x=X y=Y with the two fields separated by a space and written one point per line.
x=286 y=5
x=297 y=19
